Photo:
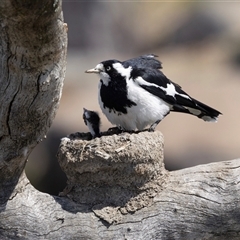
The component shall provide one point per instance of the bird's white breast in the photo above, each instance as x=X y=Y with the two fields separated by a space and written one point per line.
x=147 y=111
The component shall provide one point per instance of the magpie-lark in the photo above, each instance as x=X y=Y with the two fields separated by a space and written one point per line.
x=92 y=120
x=134 y=94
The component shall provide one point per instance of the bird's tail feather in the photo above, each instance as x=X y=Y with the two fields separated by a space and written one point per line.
x=199 y=110
x=208 y=114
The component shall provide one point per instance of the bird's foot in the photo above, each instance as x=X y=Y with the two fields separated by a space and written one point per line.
x=120 y=130
x=129 y=131
x=115 y=130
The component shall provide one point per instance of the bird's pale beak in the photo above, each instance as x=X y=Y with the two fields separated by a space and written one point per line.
x=99 y=68
x=93 y=70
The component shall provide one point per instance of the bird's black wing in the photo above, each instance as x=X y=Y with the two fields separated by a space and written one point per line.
x=155 y=82
x=144 y=61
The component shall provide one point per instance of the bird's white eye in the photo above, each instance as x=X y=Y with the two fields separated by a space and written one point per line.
x=108 y=68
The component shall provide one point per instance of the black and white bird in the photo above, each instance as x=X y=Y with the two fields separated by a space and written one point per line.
x=134 y=94
x=92 y=120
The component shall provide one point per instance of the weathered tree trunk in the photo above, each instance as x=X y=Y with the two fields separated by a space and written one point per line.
x=118 y=187
x=33 y=43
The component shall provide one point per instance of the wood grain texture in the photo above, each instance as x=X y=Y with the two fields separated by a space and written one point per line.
x=118 y=187
x=201 y=202
x=33 y=43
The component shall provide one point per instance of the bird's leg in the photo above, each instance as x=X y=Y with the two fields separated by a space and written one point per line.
x=153 y=126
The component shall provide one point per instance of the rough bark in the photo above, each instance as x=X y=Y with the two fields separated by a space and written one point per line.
x=33 y=44
x=100 y=202
x=118 y=187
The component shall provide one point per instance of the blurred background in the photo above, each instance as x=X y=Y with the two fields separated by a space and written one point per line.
x=199 y=46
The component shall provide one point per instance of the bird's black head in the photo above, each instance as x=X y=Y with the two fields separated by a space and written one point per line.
x=111 y=70
x=105 y=66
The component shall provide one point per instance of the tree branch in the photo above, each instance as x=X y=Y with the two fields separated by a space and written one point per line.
x=33 y=44
x=115 y=193
x=118 y=187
